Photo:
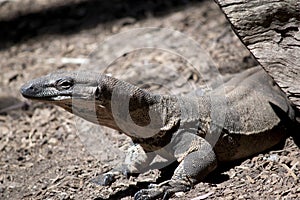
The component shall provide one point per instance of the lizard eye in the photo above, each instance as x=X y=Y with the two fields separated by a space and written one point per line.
x=64 y=84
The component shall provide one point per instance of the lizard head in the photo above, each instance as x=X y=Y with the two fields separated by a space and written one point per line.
x=61 y=86
x=79 y=92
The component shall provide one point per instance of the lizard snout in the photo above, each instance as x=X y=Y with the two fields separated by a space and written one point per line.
x=30 y=90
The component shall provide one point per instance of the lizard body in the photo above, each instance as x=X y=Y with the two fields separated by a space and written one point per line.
x=175 y=127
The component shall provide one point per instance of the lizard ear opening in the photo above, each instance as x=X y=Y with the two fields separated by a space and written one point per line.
x=99 y=98
x=97 y=93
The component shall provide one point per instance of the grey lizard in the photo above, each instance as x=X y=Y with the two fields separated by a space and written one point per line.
x=175 y=127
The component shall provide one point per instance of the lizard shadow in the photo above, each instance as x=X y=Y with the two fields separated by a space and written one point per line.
x=293 y=126
x=130 y=191
x=10 y=103
x=166 y=174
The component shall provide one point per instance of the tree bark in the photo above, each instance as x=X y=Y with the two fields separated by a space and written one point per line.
x=271 y=31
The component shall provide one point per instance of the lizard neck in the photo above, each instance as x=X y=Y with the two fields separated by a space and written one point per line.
x=130 y=109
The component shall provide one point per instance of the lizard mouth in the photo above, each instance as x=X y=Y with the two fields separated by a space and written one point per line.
x=47 y=98
x=35 y=93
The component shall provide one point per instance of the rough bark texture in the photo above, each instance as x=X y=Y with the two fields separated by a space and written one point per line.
x=271 y=31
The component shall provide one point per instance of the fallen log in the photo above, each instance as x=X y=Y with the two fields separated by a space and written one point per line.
x=270 y=29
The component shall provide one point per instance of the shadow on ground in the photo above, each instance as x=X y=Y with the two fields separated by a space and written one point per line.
x=73 y=17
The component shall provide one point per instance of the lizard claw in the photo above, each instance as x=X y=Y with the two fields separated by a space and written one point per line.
x=148 y=194
x=108 y=178
x=104 y=179
x=163 y=190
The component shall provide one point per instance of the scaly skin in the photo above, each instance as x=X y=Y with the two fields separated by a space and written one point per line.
x=187 y=129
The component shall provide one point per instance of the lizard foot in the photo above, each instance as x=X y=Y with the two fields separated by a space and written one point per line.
x=163 y=190
x=108 y=178
x=104 y=179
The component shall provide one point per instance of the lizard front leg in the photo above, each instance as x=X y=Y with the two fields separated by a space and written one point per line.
x=136 y=161
x=196 y=162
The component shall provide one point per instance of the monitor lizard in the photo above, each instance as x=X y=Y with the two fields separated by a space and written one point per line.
x=256 y=116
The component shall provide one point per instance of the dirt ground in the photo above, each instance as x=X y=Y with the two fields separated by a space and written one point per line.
x=46 y=153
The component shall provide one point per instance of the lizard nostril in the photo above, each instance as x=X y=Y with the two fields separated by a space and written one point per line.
x=28 y=89
x=31 y=88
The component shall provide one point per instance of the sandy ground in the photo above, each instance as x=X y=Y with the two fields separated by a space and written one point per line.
x=46 y=153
